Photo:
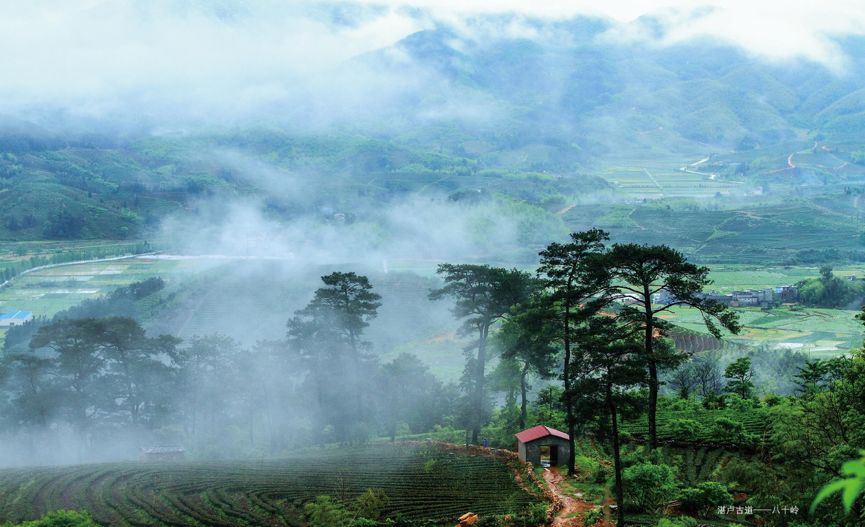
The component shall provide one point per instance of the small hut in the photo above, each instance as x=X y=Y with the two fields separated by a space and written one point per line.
x=542 y=445
x=163 y=453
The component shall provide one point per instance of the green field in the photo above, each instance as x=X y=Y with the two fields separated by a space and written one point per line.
x=817 y=332
x=729 y=277
x=666 y=178
x=755 y=422
x=47 y=291
x=423 y=484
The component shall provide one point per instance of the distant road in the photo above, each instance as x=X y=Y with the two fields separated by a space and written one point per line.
x=655 y=181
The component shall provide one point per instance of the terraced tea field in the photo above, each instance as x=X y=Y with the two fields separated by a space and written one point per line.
x=425 y=485
x=755 y=423
x=819 y=333
x=665 y=177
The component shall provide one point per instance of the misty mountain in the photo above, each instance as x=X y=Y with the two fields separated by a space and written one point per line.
x=515 y=111
x=574 y=83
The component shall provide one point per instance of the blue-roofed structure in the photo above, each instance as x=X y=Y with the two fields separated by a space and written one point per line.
x=14 y=318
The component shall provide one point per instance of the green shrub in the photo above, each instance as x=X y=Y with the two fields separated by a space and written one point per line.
x=324 y=511
x=592 y=470
x=705 y=497
x=678 y=404
x=680 y=521
x=736 y=402
x=741 y=473
x=371 y=504
x=713 y=402
x=649 y=487
x=684 y=429
x=536 y=514
x=61 y=519
x=772 y=400
x=592 y=517
x=726 y=431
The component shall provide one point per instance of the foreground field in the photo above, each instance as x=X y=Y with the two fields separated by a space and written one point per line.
x=425 y=485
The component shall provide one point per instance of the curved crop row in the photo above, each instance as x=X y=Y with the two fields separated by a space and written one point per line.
x=422 y=483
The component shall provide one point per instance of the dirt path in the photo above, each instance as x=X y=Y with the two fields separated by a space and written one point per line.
x=571 y=506
x=655 y=181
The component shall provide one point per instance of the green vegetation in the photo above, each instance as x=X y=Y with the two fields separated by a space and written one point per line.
x=735 y=426
x=818 y=332
x=59 y=519
x=274 y=492
x=482 y=295
x=60 y=370
x=26 y=258
x=739 y=375
x=831 y=291
x=789 y=231
x=850 y=488
x=46 y=292
x=649 y=487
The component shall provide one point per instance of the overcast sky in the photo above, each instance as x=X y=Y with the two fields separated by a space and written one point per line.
x=88 y=56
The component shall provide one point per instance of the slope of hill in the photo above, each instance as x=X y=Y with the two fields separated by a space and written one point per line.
x=570 y=115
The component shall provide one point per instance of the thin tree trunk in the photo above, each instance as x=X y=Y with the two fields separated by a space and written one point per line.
x=617 y=459
x=479 y=383
x=569 y=407
x=523 y=397
x=653 y=369
x=653 y=404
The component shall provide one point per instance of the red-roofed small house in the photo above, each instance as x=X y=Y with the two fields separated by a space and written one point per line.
x=542 y=445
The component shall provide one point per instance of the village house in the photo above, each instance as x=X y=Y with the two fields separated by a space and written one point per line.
x=542 y=445
x=767 y=297
x=787 y=294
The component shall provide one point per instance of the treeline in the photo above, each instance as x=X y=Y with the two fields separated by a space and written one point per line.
x=102 y=383
x=831 y=291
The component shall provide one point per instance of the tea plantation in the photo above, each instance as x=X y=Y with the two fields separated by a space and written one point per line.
x=425 y=486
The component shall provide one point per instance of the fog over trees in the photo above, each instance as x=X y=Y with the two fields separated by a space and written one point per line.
x=413 y=263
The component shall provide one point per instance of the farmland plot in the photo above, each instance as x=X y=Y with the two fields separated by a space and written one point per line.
x=424 y=485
